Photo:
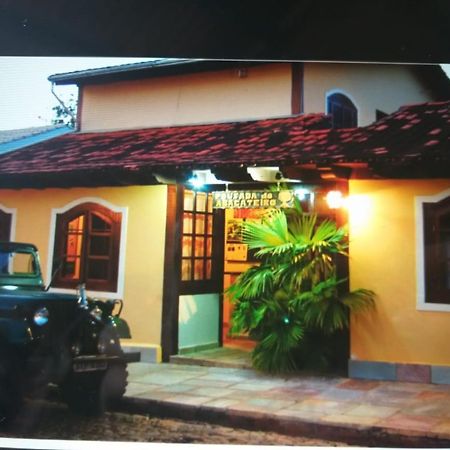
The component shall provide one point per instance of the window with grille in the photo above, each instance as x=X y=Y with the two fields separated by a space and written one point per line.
x=342 y=111
x=197 y=253
x=87 y=243
x=437 y=251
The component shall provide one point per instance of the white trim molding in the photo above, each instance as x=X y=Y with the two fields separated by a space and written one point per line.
x=349 y=96
x=118 y=294
x=13 y=212
x=422 y=304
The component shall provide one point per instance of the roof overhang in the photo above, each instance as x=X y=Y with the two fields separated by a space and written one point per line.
x=411 y=143
x=149 y=69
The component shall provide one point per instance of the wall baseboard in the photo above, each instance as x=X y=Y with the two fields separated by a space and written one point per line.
x=386 y=371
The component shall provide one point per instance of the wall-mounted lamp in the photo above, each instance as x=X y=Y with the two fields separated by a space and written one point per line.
x=201 y=177
x=196 y=182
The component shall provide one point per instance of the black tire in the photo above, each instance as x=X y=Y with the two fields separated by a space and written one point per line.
x=92 y=393
x=11 y=397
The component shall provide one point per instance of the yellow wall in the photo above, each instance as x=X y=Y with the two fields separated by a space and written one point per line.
x=265 y=92
x=370 y=86
x=195 y=98
x=145 y=242
x=383 y=258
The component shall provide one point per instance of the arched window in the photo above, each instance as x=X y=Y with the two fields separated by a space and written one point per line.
x=87 y=242
x=5 y=225
x=342 y=111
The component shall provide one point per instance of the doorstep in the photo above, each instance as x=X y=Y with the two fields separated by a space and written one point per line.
x=216 y=357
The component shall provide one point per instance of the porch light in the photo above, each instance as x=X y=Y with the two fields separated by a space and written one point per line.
x=335 y=199
x=201 y=177
x=196 y=182
x=265 y=174
x=360 y=212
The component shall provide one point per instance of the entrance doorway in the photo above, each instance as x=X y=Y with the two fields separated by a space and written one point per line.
x=237 y=259
x=205 y=253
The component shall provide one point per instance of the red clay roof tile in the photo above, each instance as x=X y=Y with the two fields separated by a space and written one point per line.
x=304 y=139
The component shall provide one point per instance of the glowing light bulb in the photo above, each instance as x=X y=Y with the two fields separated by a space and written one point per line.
x=196 y=182
x=334 y=199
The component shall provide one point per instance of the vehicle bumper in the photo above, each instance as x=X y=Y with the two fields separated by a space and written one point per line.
x=94 y=363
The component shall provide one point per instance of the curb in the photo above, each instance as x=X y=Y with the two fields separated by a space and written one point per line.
x=362 y=435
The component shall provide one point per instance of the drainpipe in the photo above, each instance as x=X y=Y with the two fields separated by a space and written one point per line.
x=67 y=110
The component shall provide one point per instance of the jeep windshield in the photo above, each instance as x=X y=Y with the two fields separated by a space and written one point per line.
x=19 y=266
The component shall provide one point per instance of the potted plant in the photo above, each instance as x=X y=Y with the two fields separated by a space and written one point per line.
x=294 y=297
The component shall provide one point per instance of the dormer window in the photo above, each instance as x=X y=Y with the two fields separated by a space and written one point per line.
x=342 y=111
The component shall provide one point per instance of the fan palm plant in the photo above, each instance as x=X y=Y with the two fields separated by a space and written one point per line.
x=295 y=289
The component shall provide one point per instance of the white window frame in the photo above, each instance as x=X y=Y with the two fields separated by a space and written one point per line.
x=118 y=294
x=422 y=304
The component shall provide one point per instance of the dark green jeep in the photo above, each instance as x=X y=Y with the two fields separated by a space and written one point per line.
x=68 y=340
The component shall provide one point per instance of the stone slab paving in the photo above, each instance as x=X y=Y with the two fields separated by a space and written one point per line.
x=357 y=411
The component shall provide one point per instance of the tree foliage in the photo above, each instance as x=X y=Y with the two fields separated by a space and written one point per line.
x=65 y=112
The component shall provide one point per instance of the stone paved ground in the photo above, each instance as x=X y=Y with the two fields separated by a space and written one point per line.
x=50 y=420
x=377 y=408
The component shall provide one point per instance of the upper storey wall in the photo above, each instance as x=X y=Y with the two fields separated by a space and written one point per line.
x=385 y=87
x=264 y=91
x=186 y=99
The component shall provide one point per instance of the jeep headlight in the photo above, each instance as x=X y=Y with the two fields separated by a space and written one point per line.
x=106 y=342
x=40 y=317
x=97 y=313
x=101 y=346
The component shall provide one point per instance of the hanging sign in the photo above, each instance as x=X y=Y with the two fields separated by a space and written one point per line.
x=253 y=199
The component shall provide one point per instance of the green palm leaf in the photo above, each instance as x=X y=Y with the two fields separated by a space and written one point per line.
x=295 y=289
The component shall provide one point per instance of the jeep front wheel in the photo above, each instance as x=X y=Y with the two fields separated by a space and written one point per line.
x=92 y=393
x=10 y=386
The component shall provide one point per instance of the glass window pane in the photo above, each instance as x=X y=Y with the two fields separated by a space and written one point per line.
x=99 y=245
x=22 y=263
x=208 y=246
x=97 y=269
x=208 y=269
x=187 y=246
x=199 y=246
x=188 y=200
x=76 y=225
x=200 y=224
x=210 y=203
x=187 y=222
x=198 y=269
x=186 y=265
x=99 y=224
x=209 y=226
x=201 y=202
x=71 y=267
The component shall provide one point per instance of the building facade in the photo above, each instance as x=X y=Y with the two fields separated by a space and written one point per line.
x=114 y=200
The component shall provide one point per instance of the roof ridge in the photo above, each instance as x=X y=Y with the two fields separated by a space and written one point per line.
x=157 y=62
